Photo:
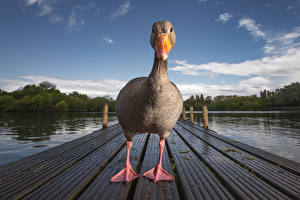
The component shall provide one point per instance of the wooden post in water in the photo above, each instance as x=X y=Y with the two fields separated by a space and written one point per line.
x=183 y=113
x=192 y=114
x=105 y=116
x=205 y=117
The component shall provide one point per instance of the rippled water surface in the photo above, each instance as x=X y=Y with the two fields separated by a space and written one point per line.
x=275 y=132
x=23 y=134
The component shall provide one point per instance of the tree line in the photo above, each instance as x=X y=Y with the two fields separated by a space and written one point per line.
x=288 y=96
x=45 y=97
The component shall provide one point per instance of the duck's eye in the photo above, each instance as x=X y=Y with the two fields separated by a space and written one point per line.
x=153 y=30
x=171 y=30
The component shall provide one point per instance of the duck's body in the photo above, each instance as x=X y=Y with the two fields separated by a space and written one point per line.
x=149 y=104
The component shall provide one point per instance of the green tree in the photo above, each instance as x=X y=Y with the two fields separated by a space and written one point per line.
x=76 y=104
x=7 y=103
x=38 y=102
x=47 y=85
x=24 y=104
x=61 y=106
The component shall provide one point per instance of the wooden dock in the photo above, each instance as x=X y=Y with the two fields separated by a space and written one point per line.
x=205 y=166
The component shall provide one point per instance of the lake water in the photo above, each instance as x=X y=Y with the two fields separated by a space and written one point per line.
x=23 y=134
x=273 y=131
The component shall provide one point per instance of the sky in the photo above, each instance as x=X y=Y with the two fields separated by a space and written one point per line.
x=223 y=47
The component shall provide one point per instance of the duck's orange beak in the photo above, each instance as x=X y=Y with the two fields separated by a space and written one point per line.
x=162 y=46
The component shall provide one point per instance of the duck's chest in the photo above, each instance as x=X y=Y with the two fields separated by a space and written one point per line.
x=162 y=98
x=162 y=108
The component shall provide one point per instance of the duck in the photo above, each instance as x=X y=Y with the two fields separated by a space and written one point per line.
x=150 y=104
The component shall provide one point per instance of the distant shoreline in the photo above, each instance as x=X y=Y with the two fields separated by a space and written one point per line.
x=270 y=110
x=46 y=98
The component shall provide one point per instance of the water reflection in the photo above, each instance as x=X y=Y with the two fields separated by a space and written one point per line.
x=23 y=134
x=277 y=132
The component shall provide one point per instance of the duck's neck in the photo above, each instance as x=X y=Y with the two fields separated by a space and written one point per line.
x=159 y=72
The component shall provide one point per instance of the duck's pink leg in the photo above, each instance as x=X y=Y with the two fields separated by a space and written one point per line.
x=158 y=173
x=127 y=174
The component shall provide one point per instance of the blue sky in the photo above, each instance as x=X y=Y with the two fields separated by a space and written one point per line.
x=95 y=47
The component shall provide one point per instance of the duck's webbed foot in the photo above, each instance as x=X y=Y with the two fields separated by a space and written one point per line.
x=127 y=174
x=158 y=173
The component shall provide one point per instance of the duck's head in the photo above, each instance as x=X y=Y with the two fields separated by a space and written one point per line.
x=162 y=39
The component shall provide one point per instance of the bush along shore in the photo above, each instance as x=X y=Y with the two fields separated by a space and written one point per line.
x=46 y=97
x=286 y=98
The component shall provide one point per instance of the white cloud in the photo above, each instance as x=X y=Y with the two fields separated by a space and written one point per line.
x=281 y=43
x=13 y=84
x=92 y=88
x=268 y=48
x=252 y=27
x=258 y=81
x=225 y=17
x=284 y=65
x=31 y=2
x=276 y=43
x=72 y=19
x=46 y=9
x=287 y=38
x=49 y=9
x=249 y=86
x=75 y=20
x=201 y=1
x=121 y=11
x=280 y=66
x=269 y=72
x=240 y=89
x=219 y=2
x=55 y=18
x=112 y=87
x=108 y=40
x=268 y=5
x=45 y=6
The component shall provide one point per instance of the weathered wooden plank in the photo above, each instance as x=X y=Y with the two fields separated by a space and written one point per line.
x=241 y=183
x=145 y=188
x=28 y=180
x=196 y=180
x=70 y=183
x=14 y=168
x=101 y=188
x=284 y=163
x=82 y=169
x=283 y=180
